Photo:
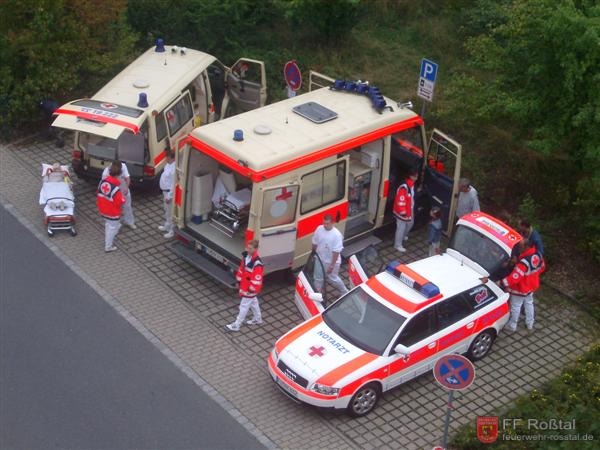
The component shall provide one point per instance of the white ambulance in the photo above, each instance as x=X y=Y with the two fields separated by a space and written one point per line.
x=158 y=98
x=272 y=174
x=394 y=326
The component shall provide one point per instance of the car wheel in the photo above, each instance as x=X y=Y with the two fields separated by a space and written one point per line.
x=364 y=400
x=481 y=345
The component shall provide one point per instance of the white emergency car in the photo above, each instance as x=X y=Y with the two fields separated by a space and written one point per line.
x=393 y=326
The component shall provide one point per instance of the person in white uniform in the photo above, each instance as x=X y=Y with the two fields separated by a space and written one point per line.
x=127 y=218
x=167 y=186
x=328 y=243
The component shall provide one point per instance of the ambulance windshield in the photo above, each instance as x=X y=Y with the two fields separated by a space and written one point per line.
x=480 y=249
x=363 y=321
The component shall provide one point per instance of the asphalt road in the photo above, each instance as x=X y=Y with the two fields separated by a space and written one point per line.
x=75 y=374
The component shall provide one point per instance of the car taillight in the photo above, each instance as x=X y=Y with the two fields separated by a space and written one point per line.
x=149 y=171
x=183 y=240
x=76 y=154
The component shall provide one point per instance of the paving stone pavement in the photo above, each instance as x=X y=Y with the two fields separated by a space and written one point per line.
x=187 y=311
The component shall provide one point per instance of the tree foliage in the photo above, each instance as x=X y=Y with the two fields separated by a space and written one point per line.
x=57 y=49
x=538 y=75
x=215 y=26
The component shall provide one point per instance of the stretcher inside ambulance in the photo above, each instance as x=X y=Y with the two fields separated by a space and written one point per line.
x=158 y=98
x=394 y=325
x=272 y=174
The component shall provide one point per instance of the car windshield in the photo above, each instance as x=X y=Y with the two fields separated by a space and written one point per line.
x=363 y=321
x=480 y=249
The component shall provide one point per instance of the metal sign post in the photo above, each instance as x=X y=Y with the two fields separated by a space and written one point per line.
x=455 y=373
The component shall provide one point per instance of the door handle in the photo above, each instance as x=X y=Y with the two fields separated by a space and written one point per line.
x=470 y=325
x=338 y=216
x=432 y=345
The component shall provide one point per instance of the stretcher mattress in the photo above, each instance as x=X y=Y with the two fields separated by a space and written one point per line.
x=57 y=198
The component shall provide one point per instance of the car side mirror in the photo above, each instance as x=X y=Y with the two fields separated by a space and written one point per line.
x=316 y=297
x=402 y=350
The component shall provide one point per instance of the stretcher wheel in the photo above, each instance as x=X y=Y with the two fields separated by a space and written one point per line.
x=73 y=231
x=50 y=232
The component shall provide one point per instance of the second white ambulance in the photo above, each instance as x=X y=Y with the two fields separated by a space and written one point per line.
x=394 y=326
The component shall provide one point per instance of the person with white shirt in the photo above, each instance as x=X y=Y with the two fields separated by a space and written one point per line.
x=328 y=243
x=468 y=200
x=167 y=185
x=125 y=180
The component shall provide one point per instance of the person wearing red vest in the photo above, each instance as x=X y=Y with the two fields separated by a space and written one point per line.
x=110 y=200
x=250 y=279
x=404 y=209
x=522 y=282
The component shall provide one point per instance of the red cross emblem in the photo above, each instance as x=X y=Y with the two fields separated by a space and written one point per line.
x=316 y=351
x=285 y=194
x=105 y=188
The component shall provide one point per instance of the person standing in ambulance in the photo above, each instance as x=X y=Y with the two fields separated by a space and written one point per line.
x=250 y=279
x=109 y=200
x=328 y=243
x=404 y=209
x=522 y=282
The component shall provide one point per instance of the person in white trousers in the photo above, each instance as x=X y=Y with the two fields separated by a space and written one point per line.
x=167 y=186
x=127 y=218
x=250 y=279
x=327 y=242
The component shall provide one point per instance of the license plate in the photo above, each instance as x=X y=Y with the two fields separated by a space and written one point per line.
x=210 y=252
x=283 y=385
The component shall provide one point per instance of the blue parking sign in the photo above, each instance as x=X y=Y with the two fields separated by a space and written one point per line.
x=428 y=70
x=427 y=79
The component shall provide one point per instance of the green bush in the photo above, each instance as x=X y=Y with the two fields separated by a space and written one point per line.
x=56 y=49
x=574 y=395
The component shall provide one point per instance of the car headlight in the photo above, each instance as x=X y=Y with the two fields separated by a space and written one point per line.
x=275 y=355
x=325 y=390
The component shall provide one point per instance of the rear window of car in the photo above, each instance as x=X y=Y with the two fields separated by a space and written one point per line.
x=480 y=296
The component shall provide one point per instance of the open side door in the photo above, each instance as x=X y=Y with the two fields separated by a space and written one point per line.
x=442 y=172
x=317 y=80
x=356 y=273
x=363 y=265
x=311 y=288
x=246 y=86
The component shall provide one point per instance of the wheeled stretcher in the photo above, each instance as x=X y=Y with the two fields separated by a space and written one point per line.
x=56 y=196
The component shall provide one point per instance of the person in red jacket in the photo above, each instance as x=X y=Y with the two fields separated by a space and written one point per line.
x=110 y=200
x=522 y=282
x=250 y=280
x=404 y=209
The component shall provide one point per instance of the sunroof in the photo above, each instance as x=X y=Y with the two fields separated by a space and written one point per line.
x=315 y=112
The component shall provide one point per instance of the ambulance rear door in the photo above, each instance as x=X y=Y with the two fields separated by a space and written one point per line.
x=182 y=156
x=278 y=226
x=442 y=172
x=246 y=86
x=310 y=293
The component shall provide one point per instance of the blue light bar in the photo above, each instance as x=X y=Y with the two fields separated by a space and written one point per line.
x=412 y=279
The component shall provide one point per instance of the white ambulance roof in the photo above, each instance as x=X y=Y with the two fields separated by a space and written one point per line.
x=166 y=74
x=293 y=136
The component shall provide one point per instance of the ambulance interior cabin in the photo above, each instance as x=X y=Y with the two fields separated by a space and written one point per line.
x=219 y=205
